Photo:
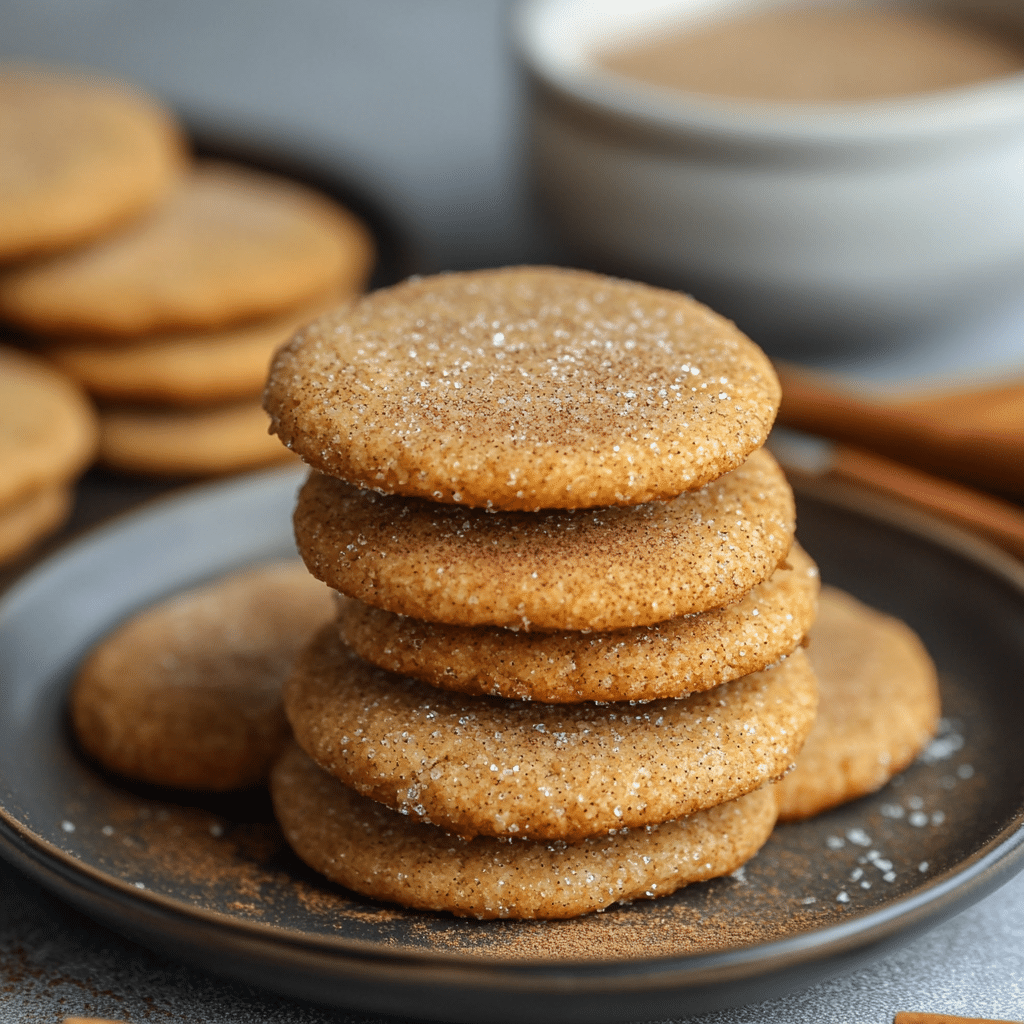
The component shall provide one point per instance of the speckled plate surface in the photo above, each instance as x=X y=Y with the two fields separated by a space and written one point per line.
x=213 y=881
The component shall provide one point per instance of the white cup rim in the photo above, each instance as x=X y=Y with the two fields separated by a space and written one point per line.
x=555 y=41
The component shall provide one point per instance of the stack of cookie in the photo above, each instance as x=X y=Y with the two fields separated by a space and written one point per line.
x=169 y=312
x=567 y=664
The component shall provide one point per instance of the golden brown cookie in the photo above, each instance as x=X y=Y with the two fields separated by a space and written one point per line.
x=31 y=518
x=79 y=156
x=668 y=659
x=380 y=853
x=188 y=442
x=488 y=766
x=188 y=692
x=48 y=427
x=879 y=706
x=185 y=369
x=230 y=245
x=523 y=388
x=608 y=568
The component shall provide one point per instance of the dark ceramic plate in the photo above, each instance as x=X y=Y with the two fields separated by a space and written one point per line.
x=213 y=882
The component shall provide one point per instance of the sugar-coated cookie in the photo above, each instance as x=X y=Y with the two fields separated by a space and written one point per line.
x=184 y=369
x=48 y=430
x=188 y=692
x=607 y=568
x=231 y=244
x=668 y=659
x=31 y=518
x=79 y=156
x=879 y=706
x=523 y=388
x=188 y=442
x=488 y=766
x=380 y=853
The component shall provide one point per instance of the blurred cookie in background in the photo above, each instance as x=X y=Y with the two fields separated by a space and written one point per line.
x=79 y=156
x=32 y=518
x=188 y=368
x=230 y=245
x=185 y=310
x=169 y=304
x=48 y=435
x=204 y=441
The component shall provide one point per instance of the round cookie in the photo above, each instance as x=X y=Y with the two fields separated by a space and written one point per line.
x=188 y=442
x=185 y=369
x=78 y=157
x=488 y=766
x=607 y=568
x=668 y=659
x=382 y=854
x=32 y=518
x=879 y=706
x=230 y=245
x=523 y=388
x=48 y=429
x=188 y=693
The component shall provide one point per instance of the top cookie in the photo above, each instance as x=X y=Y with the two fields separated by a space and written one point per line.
x=78 y=156
x=230 y=245
x=523 y=388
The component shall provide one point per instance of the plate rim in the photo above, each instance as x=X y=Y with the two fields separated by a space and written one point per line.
x=986 y=870
x=1001 y=856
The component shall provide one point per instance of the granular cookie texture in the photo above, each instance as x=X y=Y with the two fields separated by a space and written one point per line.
x=230 y=244
x=607 y=568
x=879 y=706
x=523 y=388
x=669 y=659
x=48 y=430
x=385 y=855
x=78 y=157
x=487 y=766
x=188 y=693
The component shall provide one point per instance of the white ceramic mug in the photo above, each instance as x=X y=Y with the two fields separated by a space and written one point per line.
x=821 y=222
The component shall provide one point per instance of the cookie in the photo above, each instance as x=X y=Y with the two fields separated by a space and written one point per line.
x=79 y=156
x=523 y=388
x=48 y=430
x=879 y=706
x=185 y=369
x=188 y=693
x=31 y=518
x=608 y=568
x=669 y=659
x=188 y=442
x=230 y=245
x=488 y=766
x=385 y=855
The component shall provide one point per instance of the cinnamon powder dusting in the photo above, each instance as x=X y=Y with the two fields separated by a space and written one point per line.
x=807 y=877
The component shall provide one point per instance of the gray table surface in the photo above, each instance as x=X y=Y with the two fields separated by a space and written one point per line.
x=419 y=104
